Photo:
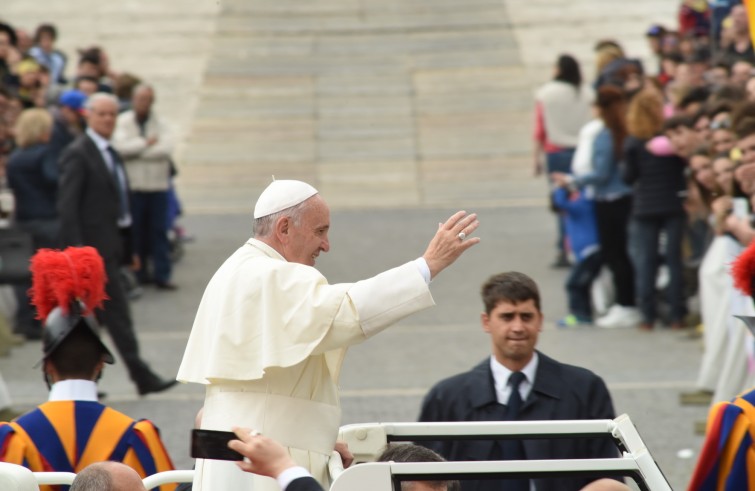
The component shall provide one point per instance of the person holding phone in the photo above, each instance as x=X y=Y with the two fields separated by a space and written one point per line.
x=266 y=457
x=270 y=333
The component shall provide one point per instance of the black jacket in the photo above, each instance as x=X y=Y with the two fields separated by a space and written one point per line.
x=560 y=391
x=304 y=484
x=33 y=177
x=88 y=201
x=659 y=184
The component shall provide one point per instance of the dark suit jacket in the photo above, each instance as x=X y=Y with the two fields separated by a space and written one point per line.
x=88 y=201
x=304 y=484
x=560 y=392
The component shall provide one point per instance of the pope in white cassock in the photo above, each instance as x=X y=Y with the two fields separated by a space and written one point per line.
x=270 y=333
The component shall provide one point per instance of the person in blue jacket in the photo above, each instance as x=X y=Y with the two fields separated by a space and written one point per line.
x=579 y=220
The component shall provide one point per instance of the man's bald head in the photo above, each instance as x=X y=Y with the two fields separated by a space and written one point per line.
x=108 y=476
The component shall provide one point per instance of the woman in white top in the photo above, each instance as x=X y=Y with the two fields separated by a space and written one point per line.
x=562 y=107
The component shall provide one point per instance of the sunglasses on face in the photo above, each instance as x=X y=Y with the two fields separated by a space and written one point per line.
x=724 y=124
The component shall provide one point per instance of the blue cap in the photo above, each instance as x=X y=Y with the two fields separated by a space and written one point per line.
x=74 y=99
x=655 y=31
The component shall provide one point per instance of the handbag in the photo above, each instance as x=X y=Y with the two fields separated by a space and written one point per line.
x=16 y=249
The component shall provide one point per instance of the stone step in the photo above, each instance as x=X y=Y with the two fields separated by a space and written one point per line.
x=481 y=17
x=323 y=7
x=238 y=47
x=367 y=149
x=474 y=79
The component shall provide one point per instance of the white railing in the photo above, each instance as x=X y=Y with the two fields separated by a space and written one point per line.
x=367 y=441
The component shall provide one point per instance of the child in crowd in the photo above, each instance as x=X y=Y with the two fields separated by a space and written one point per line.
x=579 y=221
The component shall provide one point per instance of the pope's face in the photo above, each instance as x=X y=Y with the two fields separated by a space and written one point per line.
x=513 y=329
x=307 y=239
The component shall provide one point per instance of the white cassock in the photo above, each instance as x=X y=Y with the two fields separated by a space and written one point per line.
x=716 y=308
x=268 y=342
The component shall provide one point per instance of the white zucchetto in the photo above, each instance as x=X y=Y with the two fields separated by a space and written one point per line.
x=280 y=195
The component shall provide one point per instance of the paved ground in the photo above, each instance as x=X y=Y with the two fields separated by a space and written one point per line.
x=384 y=379
x=400 y=111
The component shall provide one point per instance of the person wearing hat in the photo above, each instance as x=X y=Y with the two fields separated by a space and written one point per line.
x=73 y=429
x=726 y=458
x=68 y=121
x=270 y=333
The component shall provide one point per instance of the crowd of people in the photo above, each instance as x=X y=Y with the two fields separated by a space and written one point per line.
x=657 y=187
x=88 y=161
x=653 y=182
x=43 y=110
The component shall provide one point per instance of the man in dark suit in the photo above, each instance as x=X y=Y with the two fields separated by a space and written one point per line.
x=518 y=383
x=94 y=210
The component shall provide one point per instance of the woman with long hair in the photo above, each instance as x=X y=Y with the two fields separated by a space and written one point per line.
x=657 y=208
x=562 y=107
x=613 y=204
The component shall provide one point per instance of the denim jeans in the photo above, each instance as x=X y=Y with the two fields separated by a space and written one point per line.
x=560 y=162
x=646 y=232
x=149 y=211
x=578 y=286
x=612 y=218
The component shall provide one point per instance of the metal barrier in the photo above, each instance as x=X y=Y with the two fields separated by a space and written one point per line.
x=54 y=477
x=18 y=478
x=367 y=441
x=168 y=477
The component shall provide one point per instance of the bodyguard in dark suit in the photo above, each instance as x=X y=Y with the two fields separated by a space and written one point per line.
x=518 y=383
x=94 y=211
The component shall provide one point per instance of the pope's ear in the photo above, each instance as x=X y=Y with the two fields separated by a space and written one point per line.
x=282 y=226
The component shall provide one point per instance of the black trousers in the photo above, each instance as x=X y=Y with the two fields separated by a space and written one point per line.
x=613 y=223
x=116 y=316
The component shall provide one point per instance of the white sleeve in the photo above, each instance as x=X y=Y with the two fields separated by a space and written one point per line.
x=389 y=297
x=290 y=474
x=424 y=269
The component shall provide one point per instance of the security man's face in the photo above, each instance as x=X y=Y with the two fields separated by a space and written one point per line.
x=514 y=329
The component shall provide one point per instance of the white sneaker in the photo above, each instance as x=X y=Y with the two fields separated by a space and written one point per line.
x=619 y=316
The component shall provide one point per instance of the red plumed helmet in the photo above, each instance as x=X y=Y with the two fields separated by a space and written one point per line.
x=743 y=270
x=60 y=278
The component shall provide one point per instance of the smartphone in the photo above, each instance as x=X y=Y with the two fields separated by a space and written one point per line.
x=741 y=210
x=211 y=444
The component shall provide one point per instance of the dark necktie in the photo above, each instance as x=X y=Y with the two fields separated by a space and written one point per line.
x=515 y=399
x=117 y=172
x=513 y=449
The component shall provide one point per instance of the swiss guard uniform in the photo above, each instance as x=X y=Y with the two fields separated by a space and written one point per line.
x=72 y=429
x=66 y=436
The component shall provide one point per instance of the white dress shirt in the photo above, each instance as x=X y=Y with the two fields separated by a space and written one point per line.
x=501 y=376
x=103 y=145
x=73 y=390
